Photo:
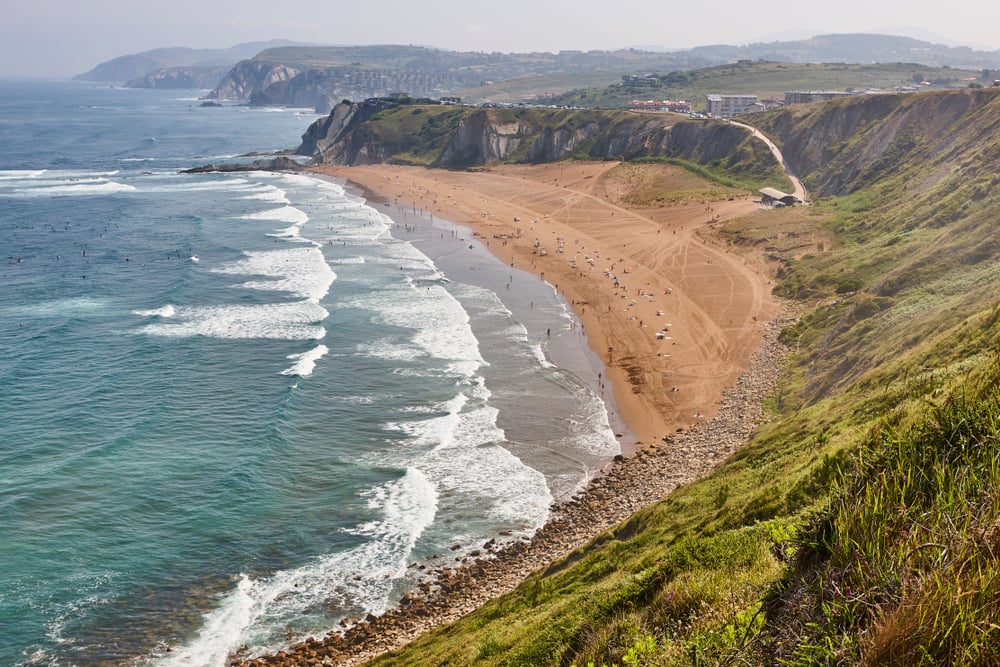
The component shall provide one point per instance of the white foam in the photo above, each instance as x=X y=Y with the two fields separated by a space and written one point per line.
x=288 y=321
x=98 y=187
x=439 y=325
x=58 y=307
x=68 y=174
x=348 y=260
x=40 y=182
x=306 y=361
x=390 y=350
x=539 y=354
x=270 y=194
x=315 y=182
x=302 y=271
x=592 y=430
x=283 y=214
x=20 y=174
x=174 y=184
x=165 y=311
x=221 y=632
x=465 y=459
x=256 y=612
x=293 y=232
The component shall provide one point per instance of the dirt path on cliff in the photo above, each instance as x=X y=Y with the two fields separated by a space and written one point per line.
x=799 y=190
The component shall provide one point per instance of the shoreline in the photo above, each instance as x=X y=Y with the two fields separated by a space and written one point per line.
x=630 y=275
x=631 y=484
x=680 y=434
x=560 y=346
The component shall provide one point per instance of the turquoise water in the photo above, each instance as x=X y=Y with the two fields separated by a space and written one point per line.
x=234 y=408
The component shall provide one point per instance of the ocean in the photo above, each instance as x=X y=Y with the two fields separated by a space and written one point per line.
x=238 y=408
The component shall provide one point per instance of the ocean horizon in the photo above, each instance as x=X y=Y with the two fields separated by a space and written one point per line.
x=238 y=408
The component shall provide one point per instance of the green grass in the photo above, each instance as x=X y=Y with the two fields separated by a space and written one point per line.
x=906 y=553
x=861 y=524
x=743 y=177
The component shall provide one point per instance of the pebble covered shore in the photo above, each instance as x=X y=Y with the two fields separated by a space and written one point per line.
x=630 y=484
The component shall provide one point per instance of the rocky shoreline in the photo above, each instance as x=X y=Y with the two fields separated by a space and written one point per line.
x=629 y=485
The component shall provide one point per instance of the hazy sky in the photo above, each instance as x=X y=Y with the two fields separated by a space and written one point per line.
x=59 y=38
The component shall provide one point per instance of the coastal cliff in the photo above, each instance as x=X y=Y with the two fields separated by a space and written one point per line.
x=249 y=76
x=839 y=147
x=180 y=78
x=384 y=131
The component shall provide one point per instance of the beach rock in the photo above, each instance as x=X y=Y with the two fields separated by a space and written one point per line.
x=280 y=163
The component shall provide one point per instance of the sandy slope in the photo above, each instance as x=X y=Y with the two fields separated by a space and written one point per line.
x=709 y=305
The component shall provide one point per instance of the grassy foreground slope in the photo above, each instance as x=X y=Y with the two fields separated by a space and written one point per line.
x=861 y=525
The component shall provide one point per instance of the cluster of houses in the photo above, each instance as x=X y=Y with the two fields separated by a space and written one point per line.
x=727 y=106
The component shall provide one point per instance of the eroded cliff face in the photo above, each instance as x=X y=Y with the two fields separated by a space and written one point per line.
x=473 y=137
x=478 y=139
x=340 y=138
x=311 y=88
x=249 y=76
x=180 y=77
x=843 y=145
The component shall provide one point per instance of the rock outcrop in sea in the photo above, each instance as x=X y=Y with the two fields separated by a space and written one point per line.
x=280 y=163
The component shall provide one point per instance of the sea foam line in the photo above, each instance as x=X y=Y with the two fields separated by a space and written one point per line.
x=105 y=188
x=284 y=214
x=256 y=612
x=306 y=361
x=302 y=271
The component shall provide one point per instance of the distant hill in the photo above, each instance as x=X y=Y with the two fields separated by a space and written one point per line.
x=133 y=66
x=285 y=73
x=322 y=76
x=857 y=48
x=181 y=77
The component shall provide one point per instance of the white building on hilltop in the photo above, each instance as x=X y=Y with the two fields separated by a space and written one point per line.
x=727 y=106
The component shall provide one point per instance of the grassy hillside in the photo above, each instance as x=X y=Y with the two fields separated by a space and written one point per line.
x=765 y=80
x=860 y=525
x=515 y=77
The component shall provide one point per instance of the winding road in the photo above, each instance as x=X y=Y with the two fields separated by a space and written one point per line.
x=800 y=190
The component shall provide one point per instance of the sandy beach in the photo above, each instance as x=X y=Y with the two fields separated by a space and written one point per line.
x=674 y=319
x=688 y=333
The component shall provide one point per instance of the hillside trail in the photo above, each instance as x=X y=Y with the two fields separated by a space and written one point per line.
x=674 y=318
x=800 y=190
